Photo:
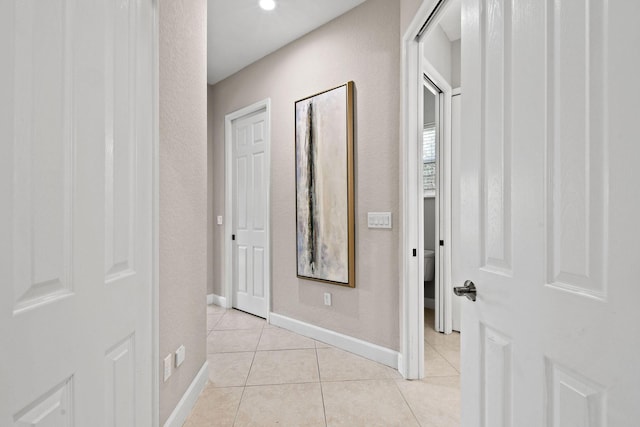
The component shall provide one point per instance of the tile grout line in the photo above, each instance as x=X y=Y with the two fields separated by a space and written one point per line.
x=395 y=382
x=244 y=388
x=444 y=358
x=324 y=408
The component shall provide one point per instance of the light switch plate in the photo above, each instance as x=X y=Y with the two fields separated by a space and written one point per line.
x=219 y=219
x=180 y=355
x=379 y=220
x=167 y=366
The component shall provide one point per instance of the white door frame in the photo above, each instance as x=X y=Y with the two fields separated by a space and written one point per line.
x=444 y=319
x=265 y=105
x=411 y=361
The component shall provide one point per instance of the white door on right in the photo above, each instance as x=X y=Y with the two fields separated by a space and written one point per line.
x=550 y=211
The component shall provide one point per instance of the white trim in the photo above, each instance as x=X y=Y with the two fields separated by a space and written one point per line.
x=357 y=346
x=456 y=91
x=265 y=104
x=189 y=399
x=155 y=221
x=217 y=300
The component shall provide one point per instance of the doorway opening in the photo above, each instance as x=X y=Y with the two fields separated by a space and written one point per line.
x=431 y=134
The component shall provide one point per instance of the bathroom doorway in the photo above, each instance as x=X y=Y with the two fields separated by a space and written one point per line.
x=432 y=135
x=440 y=118
x=431 y=48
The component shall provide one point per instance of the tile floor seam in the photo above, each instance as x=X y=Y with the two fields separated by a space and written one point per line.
x=445 y=359
x=407 y=402
x=324 y=409
x=244 y=388
x=235 y=417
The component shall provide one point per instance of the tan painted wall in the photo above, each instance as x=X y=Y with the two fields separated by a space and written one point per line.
x=215 y=195
x=183 y=193
x=364 y=46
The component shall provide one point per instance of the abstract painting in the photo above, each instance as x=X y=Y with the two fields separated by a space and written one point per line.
x=325 y=216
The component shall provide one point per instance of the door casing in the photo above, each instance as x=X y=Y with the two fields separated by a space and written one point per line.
x=411 y=359
x=228 y=179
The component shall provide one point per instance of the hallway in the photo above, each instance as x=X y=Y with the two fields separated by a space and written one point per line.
x=261 y=375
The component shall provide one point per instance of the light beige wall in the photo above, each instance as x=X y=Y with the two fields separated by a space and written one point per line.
x=364 y=46
x=408 y=9
x=183 y=192
x=216 y=201
x=455 y=64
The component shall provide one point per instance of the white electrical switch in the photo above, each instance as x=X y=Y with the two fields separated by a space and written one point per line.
x=167 y=366
x=379 y=220
x=219 y=220
x=180 y=355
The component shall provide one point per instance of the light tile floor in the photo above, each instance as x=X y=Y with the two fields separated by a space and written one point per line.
x=261 y=375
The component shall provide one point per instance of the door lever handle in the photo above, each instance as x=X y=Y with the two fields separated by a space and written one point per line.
x=468 y=290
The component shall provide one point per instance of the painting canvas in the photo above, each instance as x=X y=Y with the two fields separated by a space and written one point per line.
x=324 y=186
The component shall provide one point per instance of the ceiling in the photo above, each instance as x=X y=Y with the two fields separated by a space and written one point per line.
x=240 y=32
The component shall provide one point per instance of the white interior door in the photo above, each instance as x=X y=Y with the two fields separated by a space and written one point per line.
x=549 y=213
x=76 y=105
x=250 y=247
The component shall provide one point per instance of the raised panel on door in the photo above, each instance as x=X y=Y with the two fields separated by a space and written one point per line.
x=258 y=271
x=496 y=138
x=241 y=195
x=120 y=139
x=258 y=192
x=54 y=408
x=119 y=376
x=573 y=400
x=42 y=146
x=577 y=147
x=497 y=378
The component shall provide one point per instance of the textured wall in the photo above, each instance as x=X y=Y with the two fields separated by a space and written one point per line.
x=215 y=194
x=183 y=193
x=364 y=46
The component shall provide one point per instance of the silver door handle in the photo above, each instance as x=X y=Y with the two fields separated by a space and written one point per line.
x=468 y=290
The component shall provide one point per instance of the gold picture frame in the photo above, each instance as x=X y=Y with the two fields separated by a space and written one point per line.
x=325 y=191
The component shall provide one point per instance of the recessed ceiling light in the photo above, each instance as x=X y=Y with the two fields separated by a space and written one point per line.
x=268 y=4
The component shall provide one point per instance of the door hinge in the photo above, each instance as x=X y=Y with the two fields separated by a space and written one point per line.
x=233 y=237
x=415 y=252
x=441 y=242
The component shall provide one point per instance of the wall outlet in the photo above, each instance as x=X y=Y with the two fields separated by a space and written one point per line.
x=180 y=355
x=327 y=298
x=167 y=366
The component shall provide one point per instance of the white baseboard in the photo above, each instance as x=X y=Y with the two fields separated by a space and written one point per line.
x=185 y=406
x=430 y=303
x=354 y=345
x=217 y=300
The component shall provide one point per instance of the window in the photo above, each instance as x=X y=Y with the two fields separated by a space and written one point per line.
x=429 y=158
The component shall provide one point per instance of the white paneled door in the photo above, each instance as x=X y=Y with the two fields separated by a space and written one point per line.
x=250 y=247
x=550 y=205
x=76 y=129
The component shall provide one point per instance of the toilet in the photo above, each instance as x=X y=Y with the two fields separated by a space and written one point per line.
x=429 y=265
